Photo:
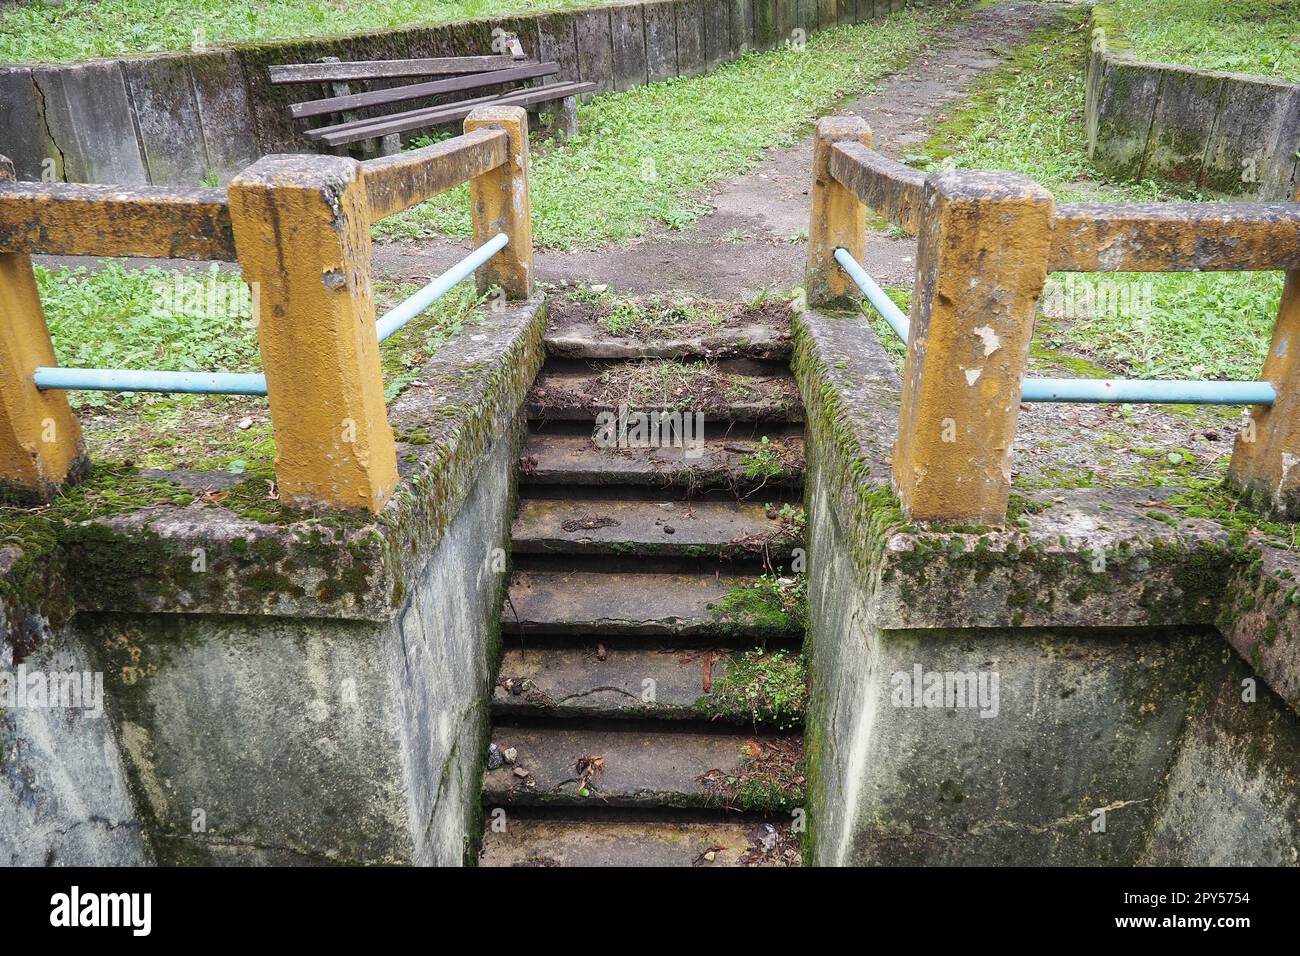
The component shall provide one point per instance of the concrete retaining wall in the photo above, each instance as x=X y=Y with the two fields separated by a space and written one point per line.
x=1175 y=742
x=1224 y=134
x=175 y=119
x=331 y=708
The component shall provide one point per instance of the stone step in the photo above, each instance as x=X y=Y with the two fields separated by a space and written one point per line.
x=741 y=464
x=643 y=767
x=617 y=681
x=716 y=606
x=699 y=529
x=702 y=389
x=581 y=338
x=576 y=682
x=526 y=841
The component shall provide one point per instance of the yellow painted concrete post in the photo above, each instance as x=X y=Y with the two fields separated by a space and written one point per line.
x=302 y=233
x=40 y=438
x=1266 y=455
x=499 y=203
x=836 y=219
x=981 y=264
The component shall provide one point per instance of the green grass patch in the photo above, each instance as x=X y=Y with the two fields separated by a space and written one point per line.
x=1240 y=36
x=770 y=606
x=1027 y=116
x=763 y=687
x=79 y=29
x=641 y=158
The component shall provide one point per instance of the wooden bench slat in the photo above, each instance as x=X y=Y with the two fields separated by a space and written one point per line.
x=337 y=104
x=388 y=69
x=344 y=133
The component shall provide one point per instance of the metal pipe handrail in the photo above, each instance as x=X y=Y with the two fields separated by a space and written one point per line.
x=245 y=383
x=399 y=315
x=883 y=304
x=130 y=380
x=1098 y=390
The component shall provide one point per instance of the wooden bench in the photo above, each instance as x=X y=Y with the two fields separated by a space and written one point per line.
x=448 y=102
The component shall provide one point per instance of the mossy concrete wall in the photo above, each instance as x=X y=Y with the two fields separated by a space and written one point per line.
x=1120 y=731
x=177 y=118
x=314 y=689
x=1224 y=134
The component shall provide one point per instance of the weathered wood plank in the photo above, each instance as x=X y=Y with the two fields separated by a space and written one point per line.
x=395 y=183
x=75 y=219
x=1175 y=237
x=413 y=91
x=440 y=115
x=384 y=69
x=893 y=190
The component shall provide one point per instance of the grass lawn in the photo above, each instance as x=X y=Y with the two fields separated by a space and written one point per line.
x=1027 y=117
x=80 y=29
x=642 y=158
x=1240 y=36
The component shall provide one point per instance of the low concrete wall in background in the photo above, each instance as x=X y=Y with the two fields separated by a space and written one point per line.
x=1224 y=134
x=178 y=118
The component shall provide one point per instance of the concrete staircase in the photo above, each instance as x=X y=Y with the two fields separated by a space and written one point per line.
x=647 y=606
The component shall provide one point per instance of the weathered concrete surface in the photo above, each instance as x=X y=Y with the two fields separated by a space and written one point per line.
x=26 y=140
x=642 y=768
x=1232 y=794
x=527 y=841
x=619 y=603
x=1142 y=725
x=577 y=337
x=555 y=459
x=306 y=741
x=725 y=529
x=1226 y=134
x=64 y=799
x=167 y=116
x=571 y=681
x=88 y=114
x=311 y=735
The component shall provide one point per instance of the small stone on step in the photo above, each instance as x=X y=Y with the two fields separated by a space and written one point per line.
x=511 y=754
x=494 y=760
x=521 y=773
x=710 y=857
x=245 y=424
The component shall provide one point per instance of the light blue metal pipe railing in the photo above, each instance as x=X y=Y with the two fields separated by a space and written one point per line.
x=1083 y=389
x=398 y=316
x=875 y=295
x=1146 y=390
x=127 y=380
x=241 y=383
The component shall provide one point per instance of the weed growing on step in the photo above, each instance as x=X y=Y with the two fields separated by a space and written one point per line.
x=770 y=777
x=763 y=464
x=771 y=606
x=658 y=317
x=642 y=159
x=761 y=687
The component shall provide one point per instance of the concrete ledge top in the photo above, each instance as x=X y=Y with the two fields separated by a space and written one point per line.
x=209 y=558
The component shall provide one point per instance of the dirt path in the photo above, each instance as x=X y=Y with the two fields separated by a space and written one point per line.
x=754 y=237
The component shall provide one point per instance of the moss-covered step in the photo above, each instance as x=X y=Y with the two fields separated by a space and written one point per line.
x=682 y=605
x=529 y=841
x=603 y=326
x=757 y=687
x=702 y=388
x=569 y=764
x=585 y=340
x=699 y=529
x=741 y=464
